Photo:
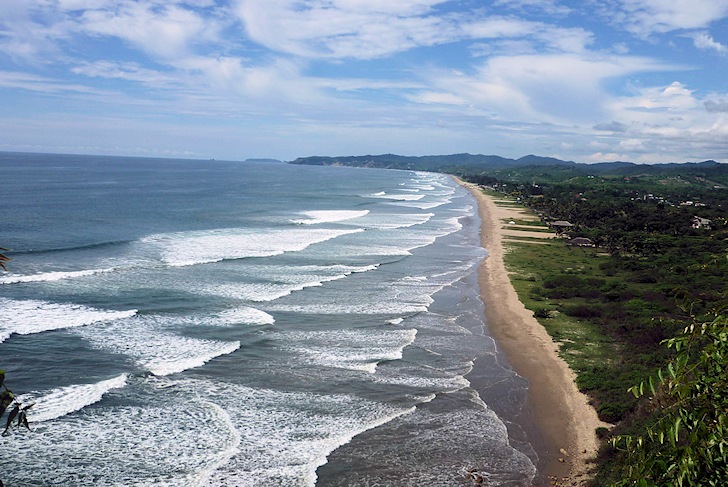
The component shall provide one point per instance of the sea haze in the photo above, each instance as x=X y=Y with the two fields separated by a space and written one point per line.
x=209 y=323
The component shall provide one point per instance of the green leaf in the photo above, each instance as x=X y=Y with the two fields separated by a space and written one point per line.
x=676 y=430
x=671 y=370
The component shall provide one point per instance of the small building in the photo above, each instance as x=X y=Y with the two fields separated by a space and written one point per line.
x=581 y=242
x=561 y=226
x=701 y=222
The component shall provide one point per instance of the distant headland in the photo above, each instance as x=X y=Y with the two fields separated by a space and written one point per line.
x=454 y=163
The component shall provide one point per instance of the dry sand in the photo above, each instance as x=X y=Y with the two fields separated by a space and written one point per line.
x=565 y=420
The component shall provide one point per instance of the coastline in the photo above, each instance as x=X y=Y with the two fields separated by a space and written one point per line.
x=564 y=420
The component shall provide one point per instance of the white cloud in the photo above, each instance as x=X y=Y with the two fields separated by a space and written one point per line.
x=656 y=101
x=231 y=76
x=31 y=82
x=128 y=71
x=344 y=28
x=26 y=39
x=507 y=29
x=606 y=157
x=163 y=31
x=666 y=123
x=703 y=40
x=70 y=5
x=500 y=27
x=437 y=98
x=551 y=7
x=370 y=30
x=631 y=145
x=33 y=29
x=554 y=88
x=611 y=127
x=526 y=72
x=645 y=17
x=716 y=106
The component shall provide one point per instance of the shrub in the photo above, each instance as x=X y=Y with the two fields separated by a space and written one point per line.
x=542 y=313
x=686 y=440
x=584 y=311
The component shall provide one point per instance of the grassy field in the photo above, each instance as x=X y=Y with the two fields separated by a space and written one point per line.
x=573 y=292
x=582 y=343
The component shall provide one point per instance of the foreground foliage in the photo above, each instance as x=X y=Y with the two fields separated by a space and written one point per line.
x=3 y=258
x=18 y=412
x=685 y=439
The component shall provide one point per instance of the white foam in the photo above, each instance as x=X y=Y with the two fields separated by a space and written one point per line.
x=245 y=314
x=451 y=436
x=65 y=400
x=282 y=281
x=191 y=248
x=177 y=357
x=435 y=383
x=348 y=349
x=26 y=317
x=423 y=205
x=155 y=349
x=370 y=307
x=329 y=216
x=288 y=435
x=397 y=197
x=51 y=276
x=172 y=438
x=406 y=295
x=394 y=221
x=374 y=249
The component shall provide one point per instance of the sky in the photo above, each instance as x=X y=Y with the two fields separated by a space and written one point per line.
x=584 y=80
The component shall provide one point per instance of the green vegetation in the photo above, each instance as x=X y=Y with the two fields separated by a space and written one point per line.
x=18 y=413
x=651 y=273
x=569 y=293
x=684 y=439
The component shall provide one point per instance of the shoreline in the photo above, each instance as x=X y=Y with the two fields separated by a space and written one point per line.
x=565 y=422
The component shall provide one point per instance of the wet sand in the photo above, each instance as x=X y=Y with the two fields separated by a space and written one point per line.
x=565 y=422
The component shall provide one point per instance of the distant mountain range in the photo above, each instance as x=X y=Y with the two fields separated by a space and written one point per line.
x=455 y=163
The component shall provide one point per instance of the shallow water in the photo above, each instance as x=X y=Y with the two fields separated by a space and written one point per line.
x=220 y=323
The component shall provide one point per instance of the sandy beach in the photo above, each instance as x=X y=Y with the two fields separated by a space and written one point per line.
x=565 y=421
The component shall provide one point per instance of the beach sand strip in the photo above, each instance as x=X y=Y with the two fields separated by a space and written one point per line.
x=563 y=416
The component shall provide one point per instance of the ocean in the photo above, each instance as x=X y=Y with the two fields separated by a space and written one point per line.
x=215 y=323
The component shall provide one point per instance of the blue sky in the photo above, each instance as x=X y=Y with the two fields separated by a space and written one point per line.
x=590 y=80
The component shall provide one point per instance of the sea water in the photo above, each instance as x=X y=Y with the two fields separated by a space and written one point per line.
x=210 y=323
